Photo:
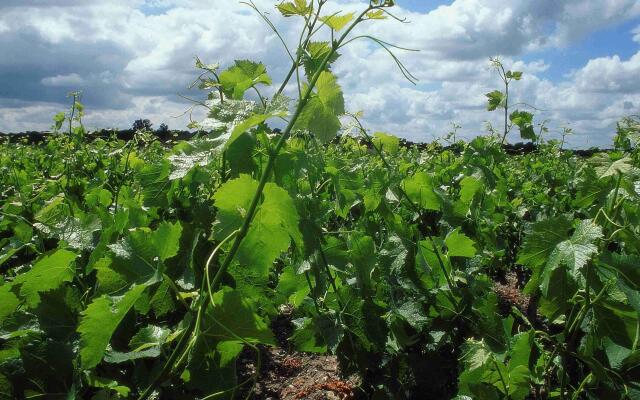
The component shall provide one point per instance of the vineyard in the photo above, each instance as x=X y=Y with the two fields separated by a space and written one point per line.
x=148 y=269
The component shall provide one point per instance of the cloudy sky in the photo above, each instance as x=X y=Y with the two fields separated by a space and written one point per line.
x=131 y=59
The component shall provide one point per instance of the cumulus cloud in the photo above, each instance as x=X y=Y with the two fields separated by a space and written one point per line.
x=63 y=80
x=132 y=58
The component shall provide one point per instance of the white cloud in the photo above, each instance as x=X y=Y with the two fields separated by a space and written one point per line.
x=63 y=80
x=610 y=74
x=132 y=63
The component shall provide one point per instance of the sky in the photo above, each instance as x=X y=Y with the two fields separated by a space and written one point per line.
x=135 y=58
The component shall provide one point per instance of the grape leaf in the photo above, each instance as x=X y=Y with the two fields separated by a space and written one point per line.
x=496 y=99
x=197 y=152
x=154 y=180
x=459 y=245
x=144 y=344
x=249 y=123
x=8 y=302
x=232 y=316
x=386 y=142
x=378 y=14
x=524 y=121
x=314 y=55
x=576 y=251
x=100 y=320
x=419 y=189
x=166 y=239
x=337 y=22
x=606 y=167
x=274 y=226
x=232 y=200
x=295 y=7
x=48 y=273
x=541 y=239
x=320 y=114
x=362 y=249
x=242 y=76
x=136 y=258
x=293 y=286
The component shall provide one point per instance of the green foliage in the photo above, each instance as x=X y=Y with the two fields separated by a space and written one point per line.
x=296 y=7
x=337 y=22
x=420 y=190
x=139 y=269
x=495 y=99
x=243 y=75
x=524 y=121
x=99 y=321
x=48 y=273
x=320 y=115
x=459 y=245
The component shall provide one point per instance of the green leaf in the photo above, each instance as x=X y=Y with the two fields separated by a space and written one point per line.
x=378 y=14
x=386 y=142
x=232 y=200
x=8 y=302
x=476 y=355
x=99 y=322
x=496 y=99
x=314 y=55
x=541 y=239
x=606 y=167
x=98 y=197
x=337 y=22
x=138 y=257
x=517 y=75
x=524 y=121
x=413 y=312
x=55 y=221
x=154 y=180
x=459 y=245
x=232 y=317
x=212 y=367
x=196 y=152
x=144 y=344
x=576 y=252
x=249 y=123
x=363 y=258
x=296 y=7
x=627 y=266
x=616 y=321
x=273 y=228
x=242 y=76
x=615 y=353
x=293 y=286
x=58 y=120
x=166 y=239
x=58 y=312
x=163 y=301
x=48 y=273
x=419 y=189
x=149 y=336
x=558 y=290
x=469 y=186
x=106 y=383
x=320 y=114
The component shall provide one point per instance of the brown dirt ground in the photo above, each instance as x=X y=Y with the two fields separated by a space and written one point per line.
x=286 y=374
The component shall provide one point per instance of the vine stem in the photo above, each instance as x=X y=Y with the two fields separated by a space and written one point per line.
x=266 y=174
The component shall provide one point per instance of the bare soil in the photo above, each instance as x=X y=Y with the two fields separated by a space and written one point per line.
x=286 y=374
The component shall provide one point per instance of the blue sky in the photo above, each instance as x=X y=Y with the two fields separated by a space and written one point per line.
x=132 y=59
